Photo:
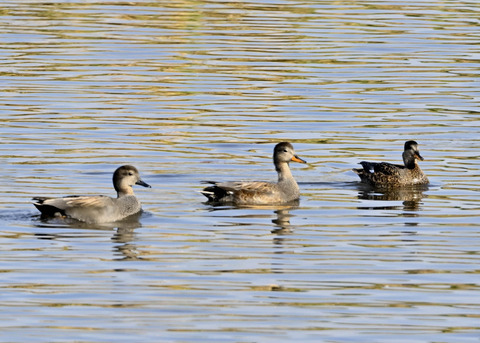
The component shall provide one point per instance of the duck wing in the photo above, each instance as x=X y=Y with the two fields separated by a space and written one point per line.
x=237 y=191
x=382 y=168
x=379 y=174
x=75 y=206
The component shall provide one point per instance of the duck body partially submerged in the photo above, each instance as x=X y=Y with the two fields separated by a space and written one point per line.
x=388 y=175
x=97 y=208
x=240 y=193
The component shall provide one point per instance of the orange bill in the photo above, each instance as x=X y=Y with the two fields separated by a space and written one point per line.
x=295 y=158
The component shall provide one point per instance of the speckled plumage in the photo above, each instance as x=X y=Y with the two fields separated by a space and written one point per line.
x=386 y=175
x=260 y=192
x=98 y=208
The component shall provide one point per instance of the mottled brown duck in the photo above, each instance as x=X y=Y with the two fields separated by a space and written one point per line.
x=387 y=175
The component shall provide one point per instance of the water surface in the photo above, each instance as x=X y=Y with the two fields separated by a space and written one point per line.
x=202 y=90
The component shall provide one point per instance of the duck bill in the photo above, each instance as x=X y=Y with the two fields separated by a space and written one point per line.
x=295 y=158
x=418 y=156
x=144 y=184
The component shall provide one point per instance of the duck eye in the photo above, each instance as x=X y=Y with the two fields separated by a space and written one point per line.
x=285 y=150
x=130 y=173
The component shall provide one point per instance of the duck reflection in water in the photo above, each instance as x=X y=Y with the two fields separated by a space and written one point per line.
x=123 y=233
x=283 y=221
x=123 y=238
x=281 y=213
x=410 y=196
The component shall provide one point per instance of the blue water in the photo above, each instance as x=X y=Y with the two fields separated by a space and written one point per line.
x=190 y=91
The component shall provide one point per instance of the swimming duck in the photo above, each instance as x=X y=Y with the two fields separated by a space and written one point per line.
x=98 y=208
x=260 y=192
x=387 y=175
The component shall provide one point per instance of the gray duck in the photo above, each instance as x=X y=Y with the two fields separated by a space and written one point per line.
x=97 y=208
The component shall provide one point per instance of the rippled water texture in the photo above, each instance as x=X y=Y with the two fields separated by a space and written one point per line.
x=202 y=90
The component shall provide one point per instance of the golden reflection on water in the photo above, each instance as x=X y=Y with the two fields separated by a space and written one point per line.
x=194 y=90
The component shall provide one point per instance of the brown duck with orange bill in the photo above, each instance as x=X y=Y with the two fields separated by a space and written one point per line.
x=283 y=191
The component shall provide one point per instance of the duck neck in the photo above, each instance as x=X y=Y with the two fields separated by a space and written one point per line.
x=284 y=173
x=409 y=159
x=124 y=191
